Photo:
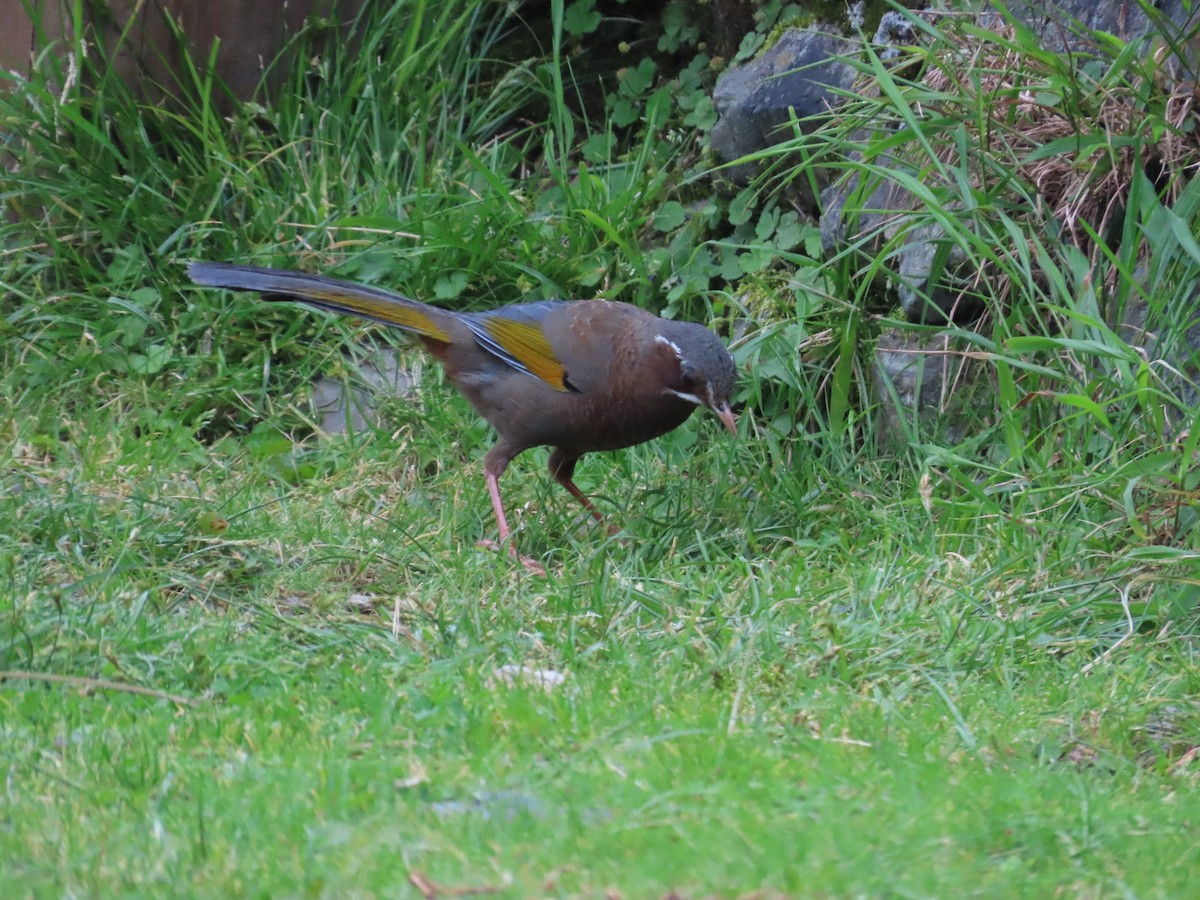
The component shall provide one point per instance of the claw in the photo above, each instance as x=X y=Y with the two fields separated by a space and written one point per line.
x=532 y=566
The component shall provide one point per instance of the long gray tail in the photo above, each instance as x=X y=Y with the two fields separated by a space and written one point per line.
x=327 y=293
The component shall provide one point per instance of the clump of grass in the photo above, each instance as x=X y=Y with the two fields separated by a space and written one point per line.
x=1060 y=179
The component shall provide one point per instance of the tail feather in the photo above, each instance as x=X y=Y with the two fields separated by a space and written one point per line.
x=326 y=293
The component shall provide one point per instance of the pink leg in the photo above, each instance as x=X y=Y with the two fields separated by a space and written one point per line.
x=494 y=465
x=562 y=467
x=493 y=483
x=581 y=497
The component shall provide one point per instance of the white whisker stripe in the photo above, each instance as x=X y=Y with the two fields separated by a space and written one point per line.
x=690 y=398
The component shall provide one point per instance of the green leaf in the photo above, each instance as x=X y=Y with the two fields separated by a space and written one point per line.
x=594 y=267
x=598 y=148
x=132 y=329
x=1037 y=343
x=742 y=207
x=370 y=223
x=153 y=361
x=678 y=28
x=766 y=225
x=658 y=107
x=812 y=243
x=789 y=231
x=266 y=442
x=755 y=259
x=669 y=216
x=211 y=523
x=1159 y=554
x=624 y=112
x=1081 y=145
x=581 y=18
x=636 y=80
x=730 y=267
x=450 y=285
x=1087 y=404
x=703 y=116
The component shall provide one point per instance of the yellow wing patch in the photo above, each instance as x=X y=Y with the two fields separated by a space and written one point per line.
x=523 y=346
x=389 y=312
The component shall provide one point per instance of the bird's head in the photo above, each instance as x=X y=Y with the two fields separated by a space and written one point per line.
x=698 y=368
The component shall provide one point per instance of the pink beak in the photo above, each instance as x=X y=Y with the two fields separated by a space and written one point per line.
x=725 y=414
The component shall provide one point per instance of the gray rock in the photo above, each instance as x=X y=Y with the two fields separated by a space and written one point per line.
x=505 y=806
x=1052 y=20
x=797 y=73
x=1176 y=362
x=925 y=388
x=932 y=270
x=924 y=291
x=352 y=403
x=872 y=220
x=929 y=267
x=895 y=31
x=509 y=806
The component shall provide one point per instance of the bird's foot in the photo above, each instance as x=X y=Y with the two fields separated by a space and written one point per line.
x=532 y=566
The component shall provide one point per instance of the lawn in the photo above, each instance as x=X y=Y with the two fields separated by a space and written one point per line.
x=239 y=657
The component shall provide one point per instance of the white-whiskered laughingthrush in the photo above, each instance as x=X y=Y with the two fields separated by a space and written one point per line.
x=576 y=376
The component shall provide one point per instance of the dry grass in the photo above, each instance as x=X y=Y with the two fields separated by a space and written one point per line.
x=1078 y=144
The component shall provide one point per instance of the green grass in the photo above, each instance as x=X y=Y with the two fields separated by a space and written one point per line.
x=240 y=659
x=757 y=694
x=347 y=768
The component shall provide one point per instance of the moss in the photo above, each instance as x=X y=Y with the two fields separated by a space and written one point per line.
x=830 y=13
x=766 y=298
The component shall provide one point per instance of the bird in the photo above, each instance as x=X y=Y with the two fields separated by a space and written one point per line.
x=577 y=376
